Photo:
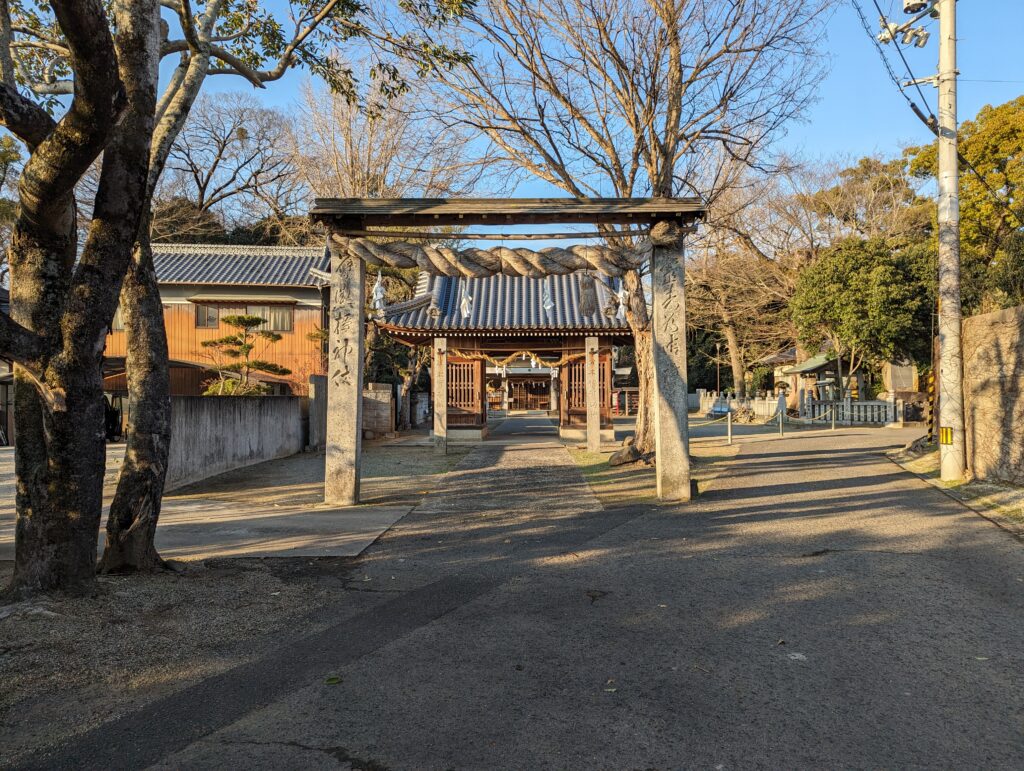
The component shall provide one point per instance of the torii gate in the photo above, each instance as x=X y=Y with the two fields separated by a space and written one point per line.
x=664 y=221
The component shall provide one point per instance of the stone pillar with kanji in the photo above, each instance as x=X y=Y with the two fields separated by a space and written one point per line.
x=671 y=431
x=439 y=382
x=592 y=394
x=344 y=376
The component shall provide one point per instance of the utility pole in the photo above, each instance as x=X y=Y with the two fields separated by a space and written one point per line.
x=952 y=439
x=952 y=434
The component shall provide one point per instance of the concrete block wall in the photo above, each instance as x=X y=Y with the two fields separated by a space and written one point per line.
x=993 y=346
x=318 y=410
x=378 y=410
x=211 y=435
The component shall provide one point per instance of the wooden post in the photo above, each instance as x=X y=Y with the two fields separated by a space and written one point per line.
x=592 y=389
x=439 y=382
x=345 y=379
x=671 y=431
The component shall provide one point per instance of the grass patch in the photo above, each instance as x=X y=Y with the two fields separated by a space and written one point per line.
x=635 y=482
x=1000 y=500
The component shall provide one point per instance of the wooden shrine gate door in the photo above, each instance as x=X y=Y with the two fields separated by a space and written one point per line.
x=466 y=397
x=573 y=404
x=530 y=394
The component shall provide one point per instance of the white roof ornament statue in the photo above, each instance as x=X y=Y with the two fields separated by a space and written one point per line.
x=466 y=306
x=623 y=299
x=547 y=303
x=378 y=293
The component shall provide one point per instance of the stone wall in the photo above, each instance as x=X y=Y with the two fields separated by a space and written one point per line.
x=420 y=409
x=993 y=346
x=211 y=435
x=378 y=410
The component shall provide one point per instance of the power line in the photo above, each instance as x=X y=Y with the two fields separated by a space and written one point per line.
x=930 y=120
x=888 y=67
x=910 y=72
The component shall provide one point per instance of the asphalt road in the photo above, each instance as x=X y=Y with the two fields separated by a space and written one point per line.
x=817 y=607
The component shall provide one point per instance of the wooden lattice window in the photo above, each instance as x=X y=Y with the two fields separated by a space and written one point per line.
x=574 y=391
x=463 y=391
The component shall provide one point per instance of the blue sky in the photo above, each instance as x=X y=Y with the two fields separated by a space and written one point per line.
x=858 y=110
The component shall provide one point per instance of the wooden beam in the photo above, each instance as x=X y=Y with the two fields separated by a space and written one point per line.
x=346 y=214
x=407 y=235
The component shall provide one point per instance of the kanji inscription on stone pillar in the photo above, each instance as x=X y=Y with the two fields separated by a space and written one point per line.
x=672 y=445
x=439 y=382
x=344 y=378
x=592 y=394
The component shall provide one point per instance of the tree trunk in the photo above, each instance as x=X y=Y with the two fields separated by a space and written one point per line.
x=640 y=325
x=60 y=460
x=60 y=455
x=739 y=382
x=135 y=510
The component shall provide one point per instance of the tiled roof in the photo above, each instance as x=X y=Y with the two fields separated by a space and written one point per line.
x=231 y=265
x=5 y=300
x=502 y=303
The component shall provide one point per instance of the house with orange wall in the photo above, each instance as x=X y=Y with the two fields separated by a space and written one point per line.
x=201 y=284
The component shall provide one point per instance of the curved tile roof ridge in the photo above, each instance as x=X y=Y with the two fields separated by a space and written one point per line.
x=219 y=249
x=502 y=303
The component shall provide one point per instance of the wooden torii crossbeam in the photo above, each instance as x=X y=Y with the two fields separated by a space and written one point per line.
x=350 y=221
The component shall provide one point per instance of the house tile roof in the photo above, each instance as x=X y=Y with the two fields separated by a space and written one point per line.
x=813 y=363
x=233 y=265
x=5 y=300
x=503 y=303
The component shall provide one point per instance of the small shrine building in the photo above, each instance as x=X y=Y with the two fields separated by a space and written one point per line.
x=516 y=343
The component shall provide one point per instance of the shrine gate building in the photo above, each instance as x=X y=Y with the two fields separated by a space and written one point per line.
x=516 y=343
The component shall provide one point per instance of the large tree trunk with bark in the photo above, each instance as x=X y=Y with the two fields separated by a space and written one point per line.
x=409 y=381
x=135 y=510
x=640 y=324
x=60 y=452
x=732 y=342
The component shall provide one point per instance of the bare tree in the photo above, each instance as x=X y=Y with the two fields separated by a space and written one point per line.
x=765 y=228
x=634 y=97
x=387 y=151
x=230 y=159
x=390 y=150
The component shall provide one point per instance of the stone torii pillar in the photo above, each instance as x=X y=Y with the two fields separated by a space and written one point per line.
x=439 y=384
x=344 y=378
x=592 y=394
x=671 y=429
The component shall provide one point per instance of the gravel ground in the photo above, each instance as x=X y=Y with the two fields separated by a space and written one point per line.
x=1001 y=502
x=70 y=664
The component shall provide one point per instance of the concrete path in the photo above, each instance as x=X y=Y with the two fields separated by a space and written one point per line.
x=272 y=509
x=817 y=608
